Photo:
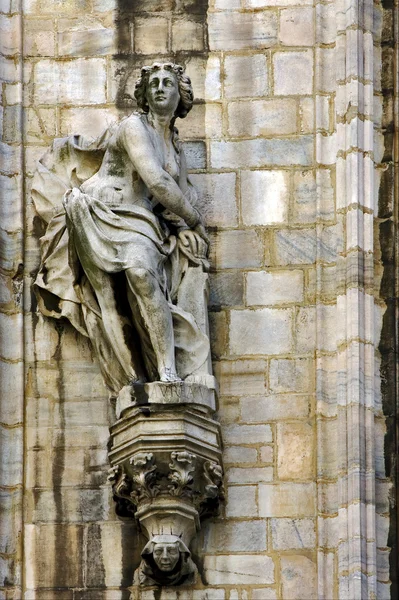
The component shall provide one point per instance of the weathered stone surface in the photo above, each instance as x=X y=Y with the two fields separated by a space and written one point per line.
x=262 y=331
x=239 y=569
x=217 y=198
x=296 y=27
x=264 y=197
x=246 y=76
x=286 y=500
x=271 y=408
x=262 y=153
x=242 y=377
x=262 y=118
x=67 y=82
x=290 y=534
x=274 y=287
x=236 y=31
x=293 y=73
x=295 y=451
x=238 y=249
x=298 y=578
x=239 y=536
x=241 y=501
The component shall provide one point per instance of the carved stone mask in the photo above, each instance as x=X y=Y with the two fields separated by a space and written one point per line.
x=166 y=556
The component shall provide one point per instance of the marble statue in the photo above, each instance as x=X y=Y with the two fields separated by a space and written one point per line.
x=124 y=259
x=166 y=561
x=122 y=232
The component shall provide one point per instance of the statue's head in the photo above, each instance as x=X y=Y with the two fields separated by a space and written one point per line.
x=166 y=561
x=163 y=87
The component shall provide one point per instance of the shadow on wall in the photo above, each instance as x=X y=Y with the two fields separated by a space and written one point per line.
x=150 y=30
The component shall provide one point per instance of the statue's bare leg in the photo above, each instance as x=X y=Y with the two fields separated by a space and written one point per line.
x=155 y=313
x=113 y=326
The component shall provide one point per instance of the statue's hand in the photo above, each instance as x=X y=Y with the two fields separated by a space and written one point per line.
x=194 y=241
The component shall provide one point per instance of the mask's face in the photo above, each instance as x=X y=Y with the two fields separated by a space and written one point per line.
x=163 y=92
x=166 y=556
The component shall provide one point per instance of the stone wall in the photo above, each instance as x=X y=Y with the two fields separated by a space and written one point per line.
x=288 y=141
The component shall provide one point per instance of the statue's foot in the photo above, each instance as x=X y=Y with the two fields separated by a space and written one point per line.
x=168 y=375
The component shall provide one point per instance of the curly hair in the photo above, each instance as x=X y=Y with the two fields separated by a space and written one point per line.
x=183 y=82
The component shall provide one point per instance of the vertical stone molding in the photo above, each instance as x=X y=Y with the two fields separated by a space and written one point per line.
x=11 y=301
x=357 y=331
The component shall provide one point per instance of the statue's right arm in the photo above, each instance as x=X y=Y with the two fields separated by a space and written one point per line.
x=135 y=140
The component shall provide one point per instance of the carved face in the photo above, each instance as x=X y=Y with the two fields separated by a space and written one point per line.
x=163 y=92
x=166 y=556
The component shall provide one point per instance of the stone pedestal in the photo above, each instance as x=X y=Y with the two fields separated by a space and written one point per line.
x=165 y=457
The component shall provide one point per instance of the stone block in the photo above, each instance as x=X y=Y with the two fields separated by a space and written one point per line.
x=10 y=209
x=295 y=451
x=10 y=157
x=86 y=42
x=13 y=93
x=325 y=25
x=272 y=408
x=262 y=153
x=227 y=289
x=241 y=501
x=295 y=247
x=274 y=287
x=293 y=534
x=239 y=455
x=11 y=327
x=291 y=375
x=325 y=72
x=238 y=249
x=296 y=27
x=10 y=70
x=239 y=569
x=79 y=81
x=325 y=192
x=269 y=3
x=264 y=197
x=247 y=434
x=10 y=523
x=306 y=115
x=61 y=568
x=187 y=35
x=264 y=593
x=304 y=197
x=213 y=121
x=12 y=124
x=262 y=118
x=151 y=35
x=287 y=499
x=328 y=532
x=262 y=331
x=266 y=454
x=217 y=198
x=227 y=4
x=246 y=76
x=195 y=155
x=11 y=391
x=305 y=329
x=39 y=39
x=252 y=475
x=218 y=329
x=213 y=84
x=293 y=73
x=87 y=121
x=240 y=377
x=298 y=578
x=236 y=31
x=235 y=536
x=328 y=440
x=327 y=334
x=10 y=35
x=11 y=459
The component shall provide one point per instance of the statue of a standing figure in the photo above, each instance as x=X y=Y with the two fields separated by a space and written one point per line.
x=122 y=232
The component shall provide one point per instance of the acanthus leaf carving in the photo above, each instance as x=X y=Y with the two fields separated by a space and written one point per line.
x=144 y=477
x=182 y=466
